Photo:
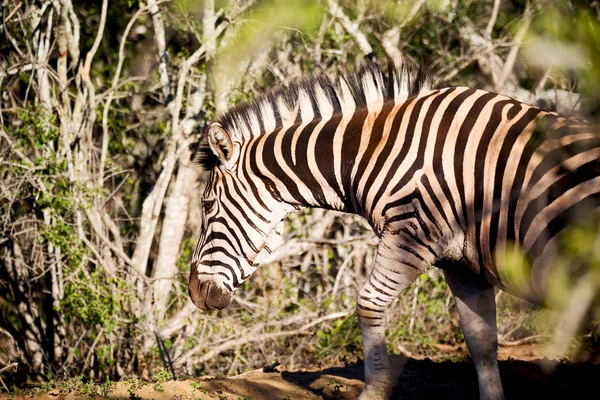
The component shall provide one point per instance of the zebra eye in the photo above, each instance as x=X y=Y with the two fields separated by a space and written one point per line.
x=208 y=206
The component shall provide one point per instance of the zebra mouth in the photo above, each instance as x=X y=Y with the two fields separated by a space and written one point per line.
x=211 y=296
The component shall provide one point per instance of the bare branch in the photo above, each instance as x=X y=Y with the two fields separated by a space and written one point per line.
x=159 y=38
x=490 y=26
x=9 y=366
x=389 y=41
x=352 y=28
x=512 y=55
x=171 y=236
x=41 y=42
x=85 y=70
x=91 y=351
x=72 y=30
x=249 y=338
x=520 y=342
x=115 y=82
x=208 y=27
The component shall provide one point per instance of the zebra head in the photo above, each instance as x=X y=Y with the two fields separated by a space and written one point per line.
x=239 y=220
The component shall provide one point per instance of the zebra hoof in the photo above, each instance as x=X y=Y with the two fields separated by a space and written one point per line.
x=376 y=391
x=374 y=394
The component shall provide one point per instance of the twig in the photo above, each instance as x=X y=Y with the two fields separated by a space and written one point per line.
x=94 y=222
x=492 y=21
x=4 y=369
x=91 y=352
x=8 y=367
x=258 y=338
x=351 y=27
x=42 y=49
x=86 y=241
x=341 y=271
x=10 y=16
x=527 y=340
x=72 y=352
x=85 y=70
x=267 y=369
x=164 y=355
x=187 y=64
x=40 y=185
x=512 y=55
x=111 y=90
x=412 y=13
x=542 y=82
x=178 y=320
x=12 y=40
x=405 y=351
x=115 y=190
x=14 y=148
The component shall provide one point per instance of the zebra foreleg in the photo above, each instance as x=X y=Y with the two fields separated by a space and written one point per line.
x=476 y=305
x=389 y=277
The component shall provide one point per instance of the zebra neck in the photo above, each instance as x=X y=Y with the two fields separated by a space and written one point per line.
x=326 y=162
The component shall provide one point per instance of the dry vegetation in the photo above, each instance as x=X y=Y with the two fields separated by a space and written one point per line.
x=100 y=105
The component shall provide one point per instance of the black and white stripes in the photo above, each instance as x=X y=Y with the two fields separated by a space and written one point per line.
x=455 y=176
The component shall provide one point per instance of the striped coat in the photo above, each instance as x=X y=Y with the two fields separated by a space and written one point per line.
x=457 y=177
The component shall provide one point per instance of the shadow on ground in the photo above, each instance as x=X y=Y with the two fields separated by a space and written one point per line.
x=425 y=379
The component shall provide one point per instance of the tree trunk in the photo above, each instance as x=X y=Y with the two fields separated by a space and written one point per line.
x=171 y=236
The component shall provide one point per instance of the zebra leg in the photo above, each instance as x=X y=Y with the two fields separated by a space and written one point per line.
x=389 y=277
x=476 y=305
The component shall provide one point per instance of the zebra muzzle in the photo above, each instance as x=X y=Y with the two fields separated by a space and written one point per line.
x=210 y=296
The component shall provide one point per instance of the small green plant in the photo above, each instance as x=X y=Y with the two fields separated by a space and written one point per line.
x=196 y=386
x=42 y=389
x=69 y=385
x=159 y=387
x=89 y=389
x=162 y=377
x=134 y=386
x=106 y=387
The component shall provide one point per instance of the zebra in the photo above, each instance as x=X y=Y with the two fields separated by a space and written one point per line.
x=454 y=177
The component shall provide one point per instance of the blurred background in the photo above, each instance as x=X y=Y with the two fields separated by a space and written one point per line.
x=100 y=105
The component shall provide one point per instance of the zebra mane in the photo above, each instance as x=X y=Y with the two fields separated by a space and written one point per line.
x=317 y=96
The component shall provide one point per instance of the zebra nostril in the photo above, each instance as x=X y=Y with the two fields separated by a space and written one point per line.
x=198 y=293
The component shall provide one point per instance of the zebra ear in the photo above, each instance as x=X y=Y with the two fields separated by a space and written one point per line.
x=221 y=144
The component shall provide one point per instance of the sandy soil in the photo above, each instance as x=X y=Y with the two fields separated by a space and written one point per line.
x=525 y=375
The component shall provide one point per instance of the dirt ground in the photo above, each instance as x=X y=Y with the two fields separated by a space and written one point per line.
x=525 y=375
